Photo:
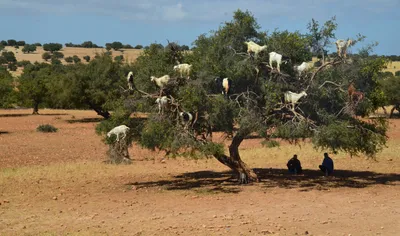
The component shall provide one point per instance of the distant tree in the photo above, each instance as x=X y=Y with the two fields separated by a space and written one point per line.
x=11 y=42
x=21 y=43
x=55 y=61
x=108 y=46
x=46 y=56
x=119 y=58
x=52 y=47
x=127 y=46
x=69 y=44
x=391 y=88
x=185 y=48
x=68 y=59
x=320 y=37
x=397 y=73
x=37 y=44
x=76 y=59
x=3 y=42
x=12 y=66
x=87 y=58
x=58 y=55
x=6 y=88
x=1 y=47
x=138 y=46
x=32 y=86
x=9 y=56
x=94 y=85
x=29 y=48
x=116 y=45
x=16 y=46
x=23 y=63
x=3 y=60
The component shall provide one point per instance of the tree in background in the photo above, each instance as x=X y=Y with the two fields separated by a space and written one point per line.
x=32 y=86
x=320 y=36
x=326 y=116
x=28 y=48
x=68 y=59
x=11 y=42
x=9 y=57
x=76 y=59
x=86 y=58
x=6 y=88
x=46 y=56
x=21 y=43
x=52 y=47
x=138 y=46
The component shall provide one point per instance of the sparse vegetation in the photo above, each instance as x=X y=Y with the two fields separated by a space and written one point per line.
x=28 y=48
x=52 y=47
x=86 y=58
x=46 y=128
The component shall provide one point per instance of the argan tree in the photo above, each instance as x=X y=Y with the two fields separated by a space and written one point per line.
x=327 y=116
x=6 y=88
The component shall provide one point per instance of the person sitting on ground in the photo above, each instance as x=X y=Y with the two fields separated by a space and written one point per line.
x=294 y=165
x=327 y=165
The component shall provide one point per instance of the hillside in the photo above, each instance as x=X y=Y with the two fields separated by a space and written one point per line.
x=130 y=55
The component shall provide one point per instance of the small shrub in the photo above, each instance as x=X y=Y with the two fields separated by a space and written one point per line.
x=23 y=63
x=119 y=58
x=87 y=58
x=68 y=59
x=46 y=56
x=58 y=55
x=12 y=66
x=76 y=59
x=46 y=128
x=397 y=73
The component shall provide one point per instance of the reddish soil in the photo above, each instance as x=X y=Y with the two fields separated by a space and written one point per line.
x=56 y=183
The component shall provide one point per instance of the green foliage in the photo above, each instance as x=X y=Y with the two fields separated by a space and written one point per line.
x=6 y=88
x=397 y=73
x=9 y=57
x=86 y=58
x=29 y=48
x=353 y=138
x=46 y=128
x=21 y=43
x=52 y=47
x=33 y=84
x=37 y=44
x=23 y=63
x=116 y=45
x=76 y=59
x=68 y=59
x=391 y=89
x=1 y=47
x=127 y=46
x=46 y=56
x=320 y=36
x=3 y=43
x=58 y=55
x=138 y=46
x=12 y=66
x=11 y=42
x=119 y=58
x=55 y=61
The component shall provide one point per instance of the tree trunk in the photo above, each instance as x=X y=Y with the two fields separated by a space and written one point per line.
x=99 y=111
x=233 y=161
x=395 y=107
x=118 y=152
x=35 y=109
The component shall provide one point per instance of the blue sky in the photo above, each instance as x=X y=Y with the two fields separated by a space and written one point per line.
x=144 y=22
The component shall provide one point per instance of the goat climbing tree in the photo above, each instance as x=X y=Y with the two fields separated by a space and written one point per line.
x=255 y=104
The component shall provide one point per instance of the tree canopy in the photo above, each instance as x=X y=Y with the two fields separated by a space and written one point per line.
x=326 y=116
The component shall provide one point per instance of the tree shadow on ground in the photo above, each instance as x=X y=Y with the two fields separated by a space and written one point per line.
x=4 y=132
x=315 y=179
x=202 y=182
x=85 y=120
x=20 y=115
x=210 y=182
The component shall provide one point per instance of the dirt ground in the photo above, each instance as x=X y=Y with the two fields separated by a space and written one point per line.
x=56 y=184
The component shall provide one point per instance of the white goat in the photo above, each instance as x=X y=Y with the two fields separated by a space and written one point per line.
x=301 y=68
x=273 y=56
x=224 y=85
x=161 y=81
x=293 y=98
x=130 y=80
x=253 y=47
x=162 y=104
x=187 y=118
x=183 y=69
x=119 y=130
x=342 y=45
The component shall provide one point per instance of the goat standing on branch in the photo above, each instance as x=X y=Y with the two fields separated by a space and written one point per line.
x=255 y=48
x=130 y=80
x=342 y=46
x=293 y=98
x=162 y=104
x=301 y=68
x=278 y=58
x=187 y=118
x=183 y=69
x=224 y=85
